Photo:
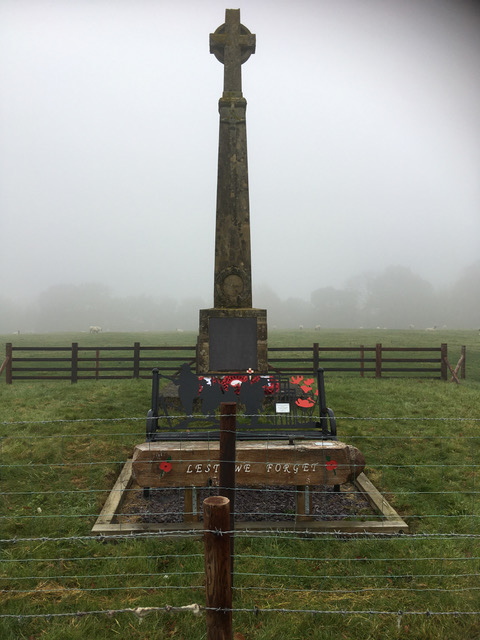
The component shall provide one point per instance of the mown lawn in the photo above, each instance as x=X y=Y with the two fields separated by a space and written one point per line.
x=62 y=447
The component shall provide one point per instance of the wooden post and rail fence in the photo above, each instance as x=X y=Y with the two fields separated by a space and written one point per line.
x=76 y=363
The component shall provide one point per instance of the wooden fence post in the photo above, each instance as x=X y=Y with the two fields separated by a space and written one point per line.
x=8 y=362
x=228 y=435
x=74 y=368
x=443 y=361
x=462 y=366
x=316 y=358
x=378 y=360
x=362 y=360
x=218 y=577
x=136 y=360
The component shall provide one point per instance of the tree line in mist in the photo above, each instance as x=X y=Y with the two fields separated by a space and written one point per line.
x=395 y=298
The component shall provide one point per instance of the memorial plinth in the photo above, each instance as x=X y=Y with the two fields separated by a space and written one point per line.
x=232 y=340
x=232 y=335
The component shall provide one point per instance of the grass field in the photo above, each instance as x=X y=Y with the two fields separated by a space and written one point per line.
x=62 y=447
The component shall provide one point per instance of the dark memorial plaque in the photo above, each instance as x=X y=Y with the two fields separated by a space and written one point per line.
x=233 y=344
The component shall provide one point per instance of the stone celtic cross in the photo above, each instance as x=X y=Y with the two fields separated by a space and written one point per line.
x=232 y=334
x=232 y=44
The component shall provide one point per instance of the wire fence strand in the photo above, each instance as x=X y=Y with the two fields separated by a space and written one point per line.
x=53 y=487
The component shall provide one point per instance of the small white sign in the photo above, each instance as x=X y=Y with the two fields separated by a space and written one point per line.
x=282 y=407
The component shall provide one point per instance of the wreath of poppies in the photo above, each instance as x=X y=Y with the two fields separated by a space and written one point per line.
x=235 y=382
x=308 y=396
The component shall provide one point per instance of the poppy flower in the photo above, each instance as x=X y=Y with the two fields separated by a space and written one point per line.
x=331 y=465
x=165 y=466
x=305 y=403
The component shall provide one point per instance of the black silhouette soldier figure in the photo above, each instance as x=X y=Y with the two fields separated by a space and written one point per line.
x=251 y=395
x=212 y=395
x=211 y=392
x=188 y=390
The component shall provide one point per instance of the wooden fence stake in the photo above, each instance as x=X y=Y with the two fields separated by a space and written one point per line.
x=378 y=360
x=136 y=359
x=455 y=371
x=74 y=369
x=443 y=361
x=316 y=358
x=218 y=576
x=8 y=359
x=463 y=367
x=228 y=435
x=4 y=365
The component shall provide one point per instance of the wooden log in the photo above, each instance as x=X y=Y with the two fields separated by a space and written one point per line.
x=197 y=464
x=454 y=371
x=218 y=582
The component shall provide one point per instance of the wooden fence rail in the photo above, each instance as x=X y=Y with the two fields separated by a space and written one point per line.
x=75 y=363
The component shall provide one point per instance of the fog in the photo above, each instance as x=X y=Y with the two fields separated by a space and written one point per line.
x=363 y=151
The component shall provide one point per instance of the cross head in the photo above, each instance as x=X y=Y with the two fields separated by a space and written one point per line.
x=232 y=44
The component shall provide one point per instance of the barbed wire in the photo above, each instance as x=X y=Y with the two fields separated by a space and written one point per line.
x=140 y=612
x=360 y=559
x=197 y=609
x=278 y=533
x=260 y=415
x=345 y=612
x=391 y=589
x=450 y=572
x=374 y=516
x=249 y=574
x=363 y=576
x=76 y=589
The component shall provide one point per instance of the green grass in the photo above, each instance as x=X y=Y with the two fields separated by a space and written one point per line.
x=62 y=447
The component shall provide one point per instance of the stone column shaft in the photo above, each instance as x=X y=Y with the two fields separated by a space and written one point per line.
x=233 y=280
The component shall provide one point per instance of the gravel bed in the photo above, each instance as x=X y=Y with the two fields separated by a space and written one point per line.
x=272 y=503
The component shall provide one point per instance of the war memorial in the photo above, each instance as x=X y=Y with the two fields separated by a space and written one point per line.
x=233 y=334
x=284 y=434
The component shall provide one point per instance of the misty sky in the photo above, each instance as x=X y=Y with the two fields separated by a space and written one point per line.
x=363 y=142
